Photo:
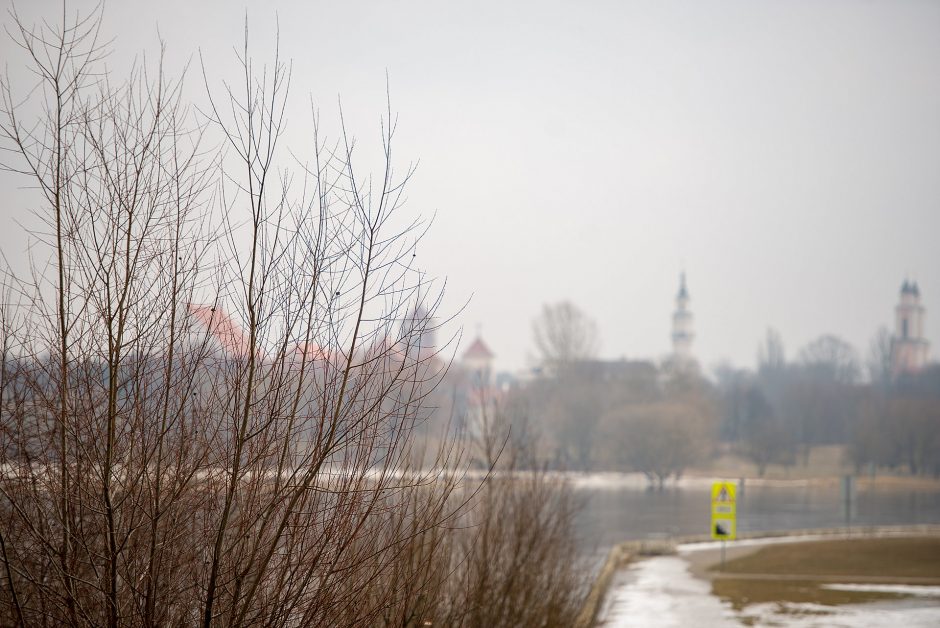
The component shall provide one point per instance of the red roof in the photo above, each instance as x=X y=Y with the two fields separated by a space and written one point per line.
x=228 y=333
x=478 y=351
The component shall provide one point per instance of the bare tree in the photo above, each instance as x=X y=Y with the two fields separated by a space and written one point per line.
x=879 y=358
x=831 y=358
x=770 y=355
x=660 y=439
x=239 y=463
x=207 y=402
x=769 y=442
x=563 y=334
x=765 y=437
x=516 y=562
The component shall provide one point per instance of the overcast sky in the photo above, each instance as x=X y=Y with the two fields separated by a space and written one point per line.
x=785 y=154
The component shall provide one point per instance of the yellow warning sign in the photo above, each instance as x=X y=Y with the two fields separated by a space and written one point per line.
x=724 y=510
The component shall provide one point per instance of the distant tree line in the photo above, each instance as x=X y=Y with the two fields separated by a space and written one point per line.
x=599 y=415
x=663 y=419
x=898 y=425
x=778 y=413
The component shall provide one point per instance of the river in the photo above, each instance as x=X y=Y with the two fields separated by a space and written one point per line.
x=619 y=507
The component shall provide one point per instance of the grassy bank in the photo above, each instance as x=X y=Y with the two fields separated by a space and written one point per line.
x=799 y=572
x=824 y=465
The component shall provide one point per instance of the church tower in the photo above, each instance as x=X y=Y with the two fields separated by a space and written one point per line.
x=682 y=334
x=908 y=346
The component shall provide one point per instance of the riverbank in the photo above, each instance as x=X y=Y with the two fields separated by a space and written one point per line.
x=882 y=576
x=826 y=572
x=825 y=465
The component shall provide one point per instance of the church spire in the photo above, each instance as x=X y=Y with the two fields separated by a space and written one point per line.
x=683 y=291
x=682 y=333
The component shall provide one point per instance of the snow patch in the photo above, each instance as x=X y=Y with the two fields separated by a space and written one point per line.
x=873 y=615
x=661 y=592
x=900 y=589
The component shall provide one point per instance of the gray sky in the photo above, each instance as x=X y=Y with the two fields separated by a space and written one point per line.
x=786 y=154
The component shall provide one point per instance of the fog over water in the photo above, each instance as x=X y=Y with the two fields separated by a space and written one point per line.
x=785 y=154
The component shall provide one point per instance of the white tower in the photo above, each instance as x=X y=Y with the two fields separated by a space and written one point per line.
x=908 y=346
x=682 y=334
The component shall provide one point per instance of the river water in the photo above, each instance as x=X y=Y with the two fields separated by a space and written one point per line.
x=620 y=507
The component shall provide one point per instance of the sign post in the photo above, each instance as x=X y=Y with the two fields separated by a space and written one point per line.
x=724 y=514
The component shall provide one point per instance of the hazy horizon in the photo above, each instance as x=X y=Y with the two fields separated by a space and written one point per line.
x=783 y=154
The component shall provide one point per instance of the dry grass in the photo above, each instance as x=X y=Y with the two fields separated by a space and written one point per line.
x=825 y=467
x=741 y=592
x=891 y=558
x=794 y=572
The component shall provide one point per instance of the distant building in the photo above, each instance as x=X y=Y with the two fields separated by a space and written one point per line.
x=908 y=345
x=682 y=333
x=478 y=361
x=467 y=389
x=226 y=338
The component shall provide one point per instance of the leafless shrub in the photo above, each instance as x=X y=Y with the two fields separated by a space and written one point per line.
x=516 y=562
x=248 y=461
x=245 y=462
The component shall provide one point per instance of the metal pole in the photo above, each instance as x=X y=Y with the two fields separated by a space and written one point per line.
x=722 y=555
